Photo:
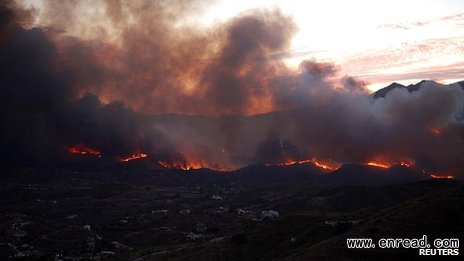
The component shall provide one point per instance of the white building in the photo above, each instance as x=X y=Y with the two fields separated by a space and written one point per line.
x=269 y=214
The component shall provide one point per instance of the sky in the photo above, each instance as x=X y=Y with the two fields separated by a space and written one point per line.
x=378 y=42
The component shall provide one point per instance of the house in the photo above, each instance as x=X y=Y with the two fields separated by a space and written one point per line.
x=160 y=211
x=184 y=211
x=269 y=214
x=193 y=236
x=216 y=197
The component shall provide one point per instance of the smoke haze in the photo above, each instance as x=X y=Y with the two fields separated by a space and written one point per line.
x=130 y=77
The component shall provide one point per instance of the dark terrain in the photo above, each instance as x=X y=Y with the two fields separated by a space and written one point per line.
x=133 y=213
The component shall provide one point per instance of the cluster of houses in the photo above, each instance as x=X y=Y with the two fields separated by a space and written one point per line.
x=265 y=215
x=337 y=222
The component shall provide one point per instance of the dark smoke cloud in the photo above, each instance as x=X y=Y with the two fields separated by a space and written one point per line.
x=355 y=85
x=235 y=81
x=31 y=91
x=113 y=89
x=158 y=64
x=41 y=112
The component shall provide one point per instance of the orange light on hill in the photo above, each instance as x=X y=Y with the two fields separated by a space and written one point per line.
x=406 y=164
x=134 y=157
x=164 y=164
x=83 y=150
x=190 y=166
x=378 y=164
x=320 y=165
x=387 y=164
x=289 y=162
x=292 y=162
x=184 y=165
x=326 y=165
x=436 y=176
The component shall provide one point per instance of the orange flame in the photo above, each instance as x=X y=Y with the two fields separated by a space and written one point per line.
x=325 y=165
x=378 y=164
x=289 y=162
x=436 y=176
x=386 y=164
x=164 y=164
x=318 y=163
x=406 y=164
x=183 y=165
x=134 y=157
x=83 y=150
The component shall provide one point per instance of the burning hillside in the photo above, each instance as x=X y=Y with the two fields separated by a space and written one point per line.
x=83 y=150
x=134 y=157
x=149 y=86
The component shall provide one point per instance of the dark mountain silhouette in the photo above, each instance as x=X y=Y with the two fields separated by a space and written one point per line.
x=411 y=88
x=355 y=174
x=381 y=93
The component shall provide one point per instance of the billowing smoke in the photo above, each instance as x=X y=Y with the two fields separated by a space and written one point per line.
x=137 y=77
x=144 y=53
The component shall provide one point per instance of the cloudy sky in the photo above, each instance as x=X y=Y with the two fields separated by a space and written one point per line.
x=376 y=41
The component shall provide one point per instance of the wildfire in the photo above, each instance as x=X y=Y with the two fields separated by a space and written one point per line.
x=436 y=176
x=325 y=165
x=183 y=166
x=435 y=131
x=383 y=164
x=83 y=150
x=318 y=163
x=291 y=162
x=164 y=164
x=406 y=164
x=134 y=157
x=378 y=164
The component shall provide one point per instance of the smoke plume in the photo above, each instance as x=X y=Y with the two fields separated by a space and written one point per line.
x=128 y=77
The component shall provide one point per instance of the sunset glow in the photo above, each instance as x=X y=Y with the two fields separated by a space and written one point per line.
x=383 y=41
